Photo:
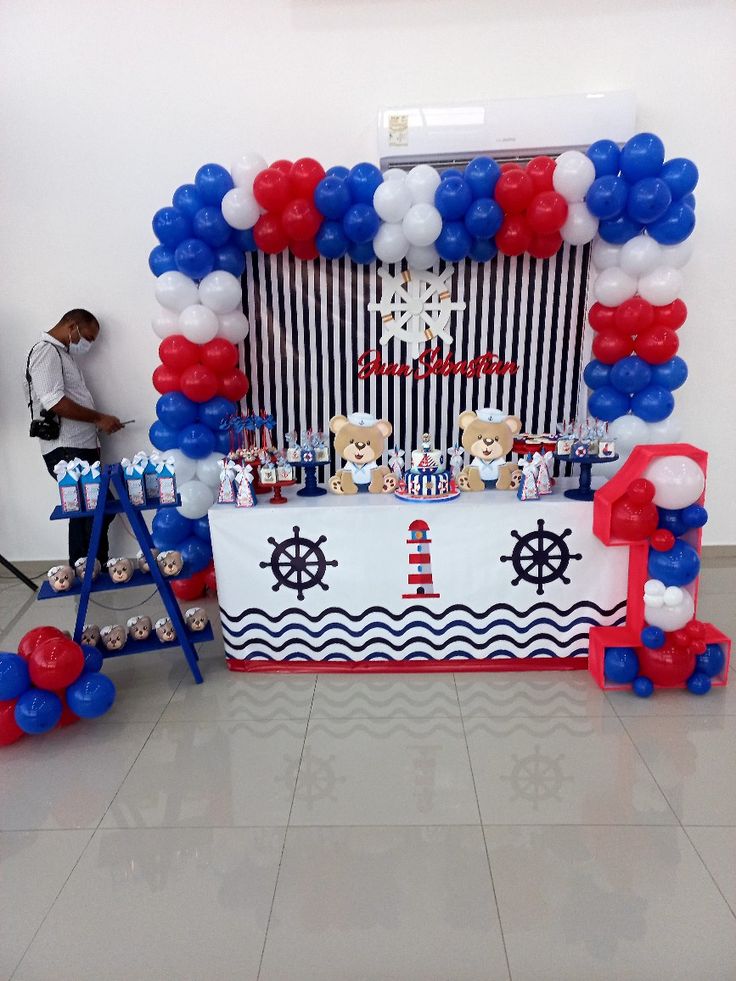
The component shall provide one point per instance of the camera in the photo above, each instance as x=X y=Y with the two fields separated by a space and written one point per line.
x=47 y=427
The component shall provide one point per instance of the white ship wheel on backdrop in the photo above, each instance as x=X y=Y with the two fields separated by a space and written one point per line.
x=415 y=307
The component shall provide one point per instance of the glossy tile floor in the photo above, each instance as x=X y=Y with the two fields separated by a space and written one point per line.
x=382 y=828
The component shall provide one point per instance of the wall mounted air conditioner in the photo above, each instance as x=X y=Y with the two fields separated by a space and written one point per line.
x=506 y=128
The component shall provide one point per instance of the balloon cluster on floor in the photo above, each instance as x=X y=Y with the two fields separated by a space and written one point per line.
x=50 y=682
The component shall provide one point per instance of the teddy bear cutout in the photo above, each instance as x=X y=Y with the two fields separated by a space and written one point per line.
x=488 y=436
x=360 y=440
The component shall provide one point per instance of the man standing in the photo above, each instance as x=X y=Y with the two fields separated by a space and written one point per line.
x=57 y=392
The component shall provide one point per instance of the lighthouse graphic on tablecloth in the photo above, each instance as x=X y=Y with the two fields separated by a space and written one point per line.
x=420 y=563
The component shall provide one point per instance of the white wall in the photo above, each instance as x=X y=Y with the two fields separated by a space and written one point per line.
x=108 y=106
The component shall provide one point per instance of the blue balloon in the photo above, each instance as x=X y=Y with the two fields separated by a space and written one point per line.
x=698 y=683
x=194 y=258
x=483 y=218
x=608 y=403
x=694 y=516
x=331 y=240
x=187 y=200
x=91 y=695
x=171 y=227
x=653 y=637
x=483 y=250
x=230 y=259
x=361 y=222
x=196 y=441
x=671 y=374
x=214 y=412
x=653 y=403
x=620 y=665
x=678 y=566
x=631 y=374
x=222 y=443
x=453 y=243
x=243 y=240
x=212 y=183
x=170 y=528
x=14 y=677
x=93 y=658
x=674 y=226
x=689 y=200
x=450 y=172
x=481 y=175
x=452 y=199
x=619 y=231
x=642 y=687
x=161 y=260
x=362 y=252
x=680 y=175
x=605 y=156
x=362 y=182
x=209 y=225
x=37 y=711
x=175 y=410
x=596 y=374
x=672 y=520
x=648 y=200
x=162 y=437
x=606 y=197
x=202 y=530
x=197 y=555
x=332 y=197
x=642 y=156
x=712 y=662
x=338 y=171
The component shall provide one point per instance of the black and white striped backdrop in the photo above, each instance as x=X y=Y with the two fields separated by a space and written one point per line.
x=310 y=323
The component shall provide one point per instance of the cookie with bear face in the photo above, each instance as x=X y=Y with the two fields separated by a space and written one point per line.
x=80 y=567
x=90 y=634
x=139 y=628
x=120 y=570
x=488 y=436
x=195 y=618
x=360 y=439
x=113 y=637
x=170 y=562
x=60 y=578
x=165 y=630
x=143 y=561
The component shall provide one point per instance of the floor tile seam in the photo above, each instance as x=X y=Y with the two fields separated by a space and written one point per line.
x=708 y=872
x=649 y=770
x=485 y=844
x=681 y=715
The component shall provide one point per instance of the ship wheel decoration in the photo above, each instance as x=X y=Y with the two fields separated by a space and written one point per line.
x=415 y=307
x=298 y=563
x=541 y=557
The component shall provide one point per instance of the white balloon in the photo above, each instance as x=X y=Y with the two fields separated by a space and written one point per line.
x=678 y=255
x=573 y=175
x=661 y=286
x=678 y=481
x=605 y=255
x=394 y=175
x=580 y=226
x=640 y=255
x=422 y=256
x=668 y=616
x=220 y=291
x=392 y=200
x=175 y=291
x=422 y=224
x=198 y=324
x=613 y=286
x=196 y=499
x=669 y=430
x=628 y=431
x=422 y=182
x=234 y=326
x=390 y=244
x=184 y=467
x=208 y=470
x=165 y=323
x=240 y=209
x=245 y=169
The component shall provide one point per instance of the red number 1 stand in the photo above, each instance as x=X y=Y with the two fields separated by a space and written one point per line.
x=112 y=480
x=659 y=657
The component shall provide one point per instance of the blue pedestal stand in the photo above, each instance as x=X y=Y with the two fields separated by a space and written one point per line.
x=584 y=492
x=310 y=488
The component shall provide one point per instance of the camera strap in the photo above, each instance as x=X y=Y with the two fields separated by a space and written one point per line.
x=28 y=372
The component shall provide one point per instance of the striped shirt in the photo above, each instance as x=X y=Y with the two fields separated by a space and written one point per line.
x=55 y=374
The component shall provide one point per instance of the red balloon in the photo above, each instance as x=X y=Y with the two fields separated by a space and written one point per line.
x=673 y=315
x=662 y=540
x=219 y=355
x=546 y=213
x=165 y=379
x=191 y=588
x=210 y=578
x=283 y=167
x=602 y=318
x=68 y=718
x=668 y=666
x=634 y=519
x=234 y=385
x=541 y=169
x=634 y=316
x=304 y=250
x=545 y=246
x=199 y=384
x=300 y=220
x=641 y=490
x=695 y=630
x=509 y=165
x=10 y=731
x=305 y=174
x=177 y=352
x=609 y=347
x=657 y=345
x=55 y=663
x=513 y=237
x=272 y=189
x=514 y=190
x=269 y=235
x=29 y=641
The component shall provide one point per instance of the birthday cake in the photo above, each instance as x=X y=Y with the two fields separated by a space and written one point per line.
x=427 y=480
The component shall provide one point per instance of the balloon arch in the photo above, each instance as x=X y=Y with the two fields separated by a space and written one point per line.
x=637 y=209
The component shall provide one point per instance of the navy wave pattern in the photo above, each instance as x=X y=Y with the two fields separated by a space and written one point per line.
x=378 y=634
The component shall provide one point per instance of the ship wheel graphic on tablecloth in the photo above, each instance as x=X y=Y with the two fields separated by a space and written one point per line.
x=298 y=563
x=541 y=557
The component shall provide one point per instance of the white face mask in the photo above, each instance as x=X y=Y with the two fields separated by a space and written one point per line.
x=82 y=346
